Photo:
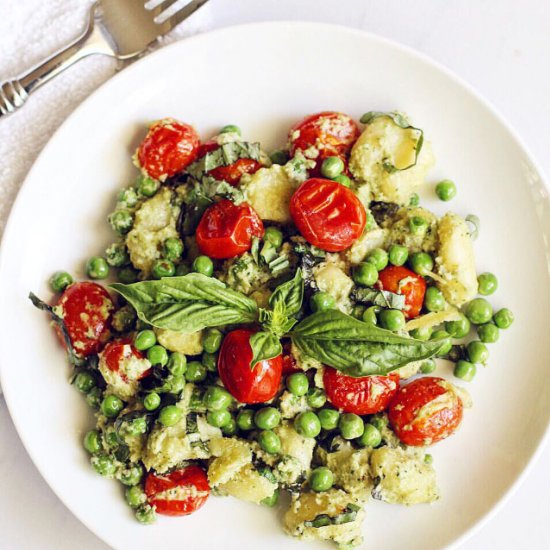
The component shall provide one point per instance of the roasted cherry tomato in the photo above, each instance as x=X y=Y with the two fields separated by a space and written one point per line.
x=289 y=363
x=168 y=148
x=327 y=214
x=425 y=411
x=401 y=280
x=121 y=363
x=226 y=230
x=178 y=493
x=365 y=395
x=329 y=133
x=86 y=311
x=247 y=385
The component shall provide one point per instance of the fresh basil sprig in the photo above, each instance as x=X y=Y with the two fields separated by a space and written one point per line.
x=265 y=345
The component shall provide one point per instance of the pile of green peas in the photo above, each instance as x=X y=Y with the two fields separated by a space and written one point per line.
x=333 y=168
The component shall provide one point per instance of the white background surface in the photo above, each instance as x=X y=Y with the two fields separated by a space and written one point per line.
x=500 y=46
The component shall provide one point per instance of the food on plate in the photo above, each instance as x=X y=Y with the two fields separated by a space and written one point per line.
x=279 y=323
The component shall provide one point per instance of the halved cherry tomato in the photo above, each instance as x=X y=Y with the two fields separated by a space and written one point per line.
x=247 y=385
x=401 y=280
x=226 y=230
x=86 y=311
x=178 y=493
x=289 y=363
x=330 y=133
x=168 y=148
x=116 y=357
x=327 y=214
x=425 y=411
x=365 y=395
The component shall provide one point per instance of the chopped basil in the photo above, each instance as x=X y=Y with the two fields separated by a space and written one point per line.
x=348 y=515
x=382 y=298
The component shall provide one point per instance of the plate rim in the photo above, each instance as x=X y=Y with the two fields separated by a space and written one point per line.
x=206 y=35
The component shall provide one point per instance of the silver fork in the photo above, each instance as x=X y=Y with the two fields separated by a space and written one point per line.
x=122 y=29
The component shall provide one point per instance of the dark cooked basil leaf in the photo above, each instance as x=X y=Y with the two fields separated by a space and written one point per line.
x=265 y=345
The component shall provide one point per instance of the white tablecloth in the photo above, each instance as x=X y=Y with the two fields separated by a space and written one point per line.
x=502 y=47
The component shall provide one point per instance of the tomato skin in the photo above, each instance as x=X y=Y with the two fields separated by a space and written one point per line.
x=191 y=477
x=414 y=290
x=226 y=230
x=256 y=385
x=427 y=427
x=365 y=395
x=116 y=351
x=86 y=310
x=331 y=133
x=327 y=214
x=168 y=148
x=289 y=363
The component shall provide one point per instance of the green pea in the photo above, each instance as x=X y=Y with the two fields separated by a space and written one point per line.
x=146 y=514
x=217 y=398
x=379 y=258
x=97 y=268
x=128 y=197
x=272 y=500
x=465 y=370
x=488 y=333
x=328 y=418
x=84 y=382
x=445 y=190
x=116 y=255
x=230 y=129
x=342 y=179
x=127 y=275
x=172 y=249
x=112 y=439
x=269 y=441
x=135 y=496
x=218 y=419
x=414 y=200
x=103 y=465
x=267 y=418
x=371 y=315
x=196 y=372
x=427 y=366
x=503 y=318
x=177 y=363
x=316 y=398
x=92 y=442
x=379 y=422
x=182 y=269
x=111 y=406
x=321 y=479
x=307 y=424
x=422 y=333
x=173 y=384
x=365 y=274
x=371 y=437
x=297 y=384
x=146 y=186
x=273 y=236
x=121 y=221
x=60 y=280
x=398 y=254
x=418 y=225
x=157 y=355
x=479 y=311
x=322 y=301
x=163 y=268
x=421 y=263
x=433 y=299
x=487 y=284
x=151 y=401
x=203 y=265
x=279 y=157
x=230 y=428
x=459 y=328
x=332 y=167
x=145 y=339
x=245 y=420
x=136 y=427
x=170 y=415
x=351 y=426
x=391 y=319
x=93 y=398
x=477 y=352
x=212 y=340
x=441 y=335
x=210 y=361
x=131 y=475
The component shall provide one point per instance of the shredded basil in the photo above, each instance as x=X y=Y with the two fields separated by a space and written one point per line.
x=382 y=298
x=348 y=515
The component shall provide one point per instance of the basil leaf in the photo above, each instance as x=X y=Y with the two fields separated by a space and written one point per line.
x=357 y=348
x=289 y=294
x=265 y=345
x=382 y=298
x=188 y=303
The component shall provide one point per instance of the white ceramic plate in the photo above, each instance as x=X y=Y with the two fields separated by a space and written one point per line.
x=265 y=77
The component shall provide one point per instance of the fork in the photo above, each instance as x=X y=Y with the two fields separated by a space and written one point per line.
x=123 y=29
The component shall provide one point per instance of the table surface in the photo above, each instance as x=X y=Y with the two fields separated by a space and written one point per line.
x=501 y=47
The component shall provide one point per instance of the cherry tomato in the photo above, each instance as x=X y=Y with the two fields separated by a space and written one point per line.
x=413 y=287
x=226 y=230
x=289 y=363
x=168 y=148
x=425 y=411
x=365 y=395
x=256 y=385
x=86 y=311
x=117 y=355
x=329 y=133
x=327 y=214
x=178 y=493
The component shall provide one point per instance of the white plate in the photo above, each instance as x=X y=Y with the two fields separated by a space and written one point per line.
x=264 y=77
